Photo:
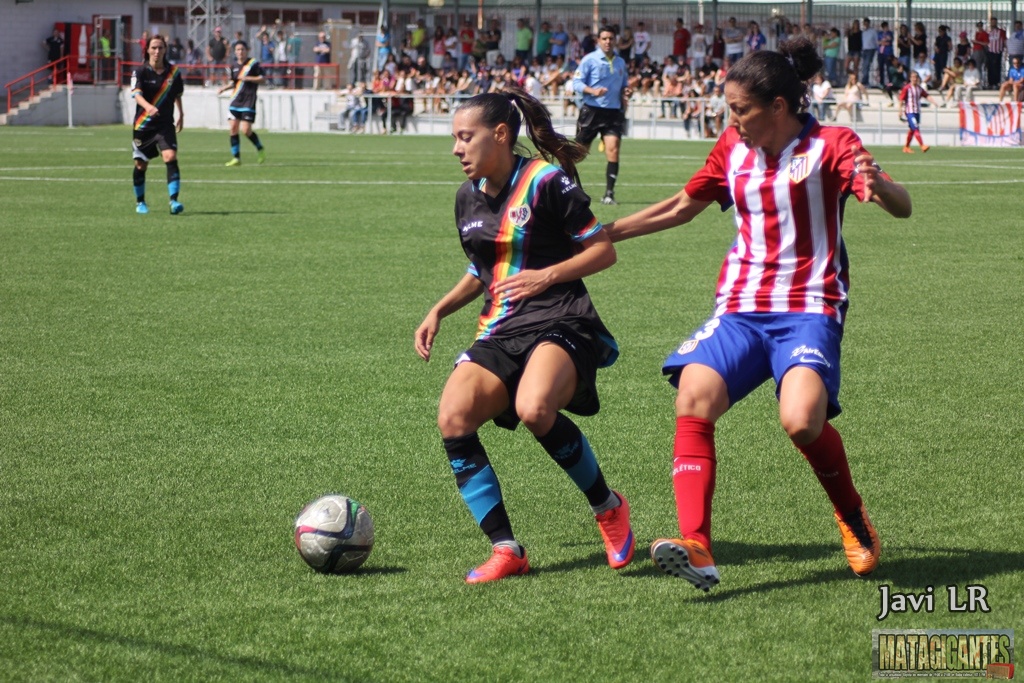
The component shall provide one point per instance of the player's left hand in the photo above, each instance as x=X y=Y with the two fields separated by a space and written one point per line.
x=864 y=165
x=522 y=285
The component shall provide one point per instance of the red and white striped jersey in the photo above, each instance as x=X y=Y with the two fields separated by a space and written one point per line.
x=789 y=254
x=996 y=40
x=911 y=96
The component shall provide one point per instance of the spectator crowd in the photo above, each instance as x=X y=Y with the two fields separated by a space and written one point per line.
x=427 y=69
x=426 y=72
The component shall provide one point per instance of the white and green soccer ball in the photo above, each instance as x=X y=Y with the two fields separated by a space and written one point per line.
x=334 y=534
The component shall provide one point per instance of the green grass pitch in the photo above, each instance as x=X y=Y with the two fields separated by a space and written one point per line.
x=173 y=389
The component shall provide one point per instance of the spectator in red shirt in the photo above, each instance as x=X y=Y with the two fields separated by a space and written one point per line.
x=680 y=43
x=467 y=38
x=979 y=46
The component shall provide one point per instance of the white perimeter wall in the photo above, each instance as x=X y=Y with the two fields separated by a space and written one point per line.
x=279 y=110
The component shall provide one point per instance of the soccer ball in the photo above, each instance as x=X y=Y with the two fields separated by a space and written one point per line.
x=334 y=534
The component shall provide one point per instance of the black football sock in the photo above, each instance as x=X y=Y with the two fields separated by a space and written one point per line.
x=478 y=486
x=610 y=175
x=139 y=182
x=568 y=447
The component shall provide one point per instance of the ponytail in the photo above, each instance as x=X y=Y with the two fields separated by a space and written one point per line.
x=552 y=145
x=505 y=107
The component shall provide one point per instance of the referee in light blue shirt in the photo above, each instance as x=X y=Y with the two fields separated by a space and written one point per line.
x=602 y=81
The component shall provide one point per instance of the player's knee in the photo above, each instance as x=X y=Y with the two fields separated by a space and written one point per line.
x=691 y=403
x=801 y=426
x=536 y=414
x=454 y=422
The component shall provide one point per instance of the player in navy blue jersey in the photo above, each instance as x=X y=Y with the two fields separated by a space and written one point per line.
x=246 y=79
x=530 y=237
x=156 y=87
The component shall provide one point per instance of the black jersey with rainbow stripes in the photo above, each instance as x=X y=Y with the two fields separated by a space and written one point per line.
x=160 y=90
x=537 y=220
x=243 y=95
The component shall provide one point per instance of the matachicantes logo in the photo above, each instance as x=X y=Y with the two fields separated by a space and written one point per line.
x=939 y=653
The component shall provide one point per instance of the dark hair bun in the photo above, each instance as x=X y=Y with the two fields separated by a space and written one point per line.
x=803 y=55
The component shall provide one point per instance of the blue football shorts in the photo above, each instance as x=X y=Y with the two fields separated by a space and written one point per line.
x=747 y=349
x=914 y=121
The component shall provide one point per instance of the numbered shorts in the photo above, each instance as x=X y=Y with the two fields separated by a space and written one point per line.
x=914 y=121
x=146 y=146
x=747 y=349
x=594 y=121
x=241 y=114
x=507 y=358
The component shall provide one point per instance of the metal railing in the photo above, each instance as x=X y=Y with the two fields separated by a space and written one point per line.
x=647 y=118
x=42 y=79
x=285 y=75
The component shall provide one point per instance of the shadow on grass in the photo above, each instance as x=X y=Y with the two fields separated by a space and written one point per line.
x=371 y=571
x=80 y=634
x=909 y=567
x=233 y=212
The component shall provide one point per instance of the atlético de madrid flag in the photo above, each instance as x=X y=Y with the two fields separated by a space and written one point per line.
x=990 y=125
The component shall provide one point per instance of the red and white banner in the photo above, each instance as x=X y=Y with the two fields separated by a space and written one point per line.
x=990 y=125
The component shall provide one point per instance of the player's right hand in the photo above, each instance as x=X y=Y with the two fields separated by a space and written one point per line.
x=423 y=340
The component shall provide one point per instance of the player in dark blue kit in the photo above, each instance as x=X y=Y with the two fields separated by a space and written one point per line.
x=530 y=236
x=246 y=78
x=156 y=88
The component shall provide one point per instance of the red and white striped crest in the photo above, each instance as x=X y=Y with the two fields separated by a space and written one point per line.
x=799 y=168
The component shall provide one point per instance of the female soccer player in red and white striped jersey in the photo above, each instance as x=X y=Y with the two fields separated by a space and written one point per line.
x=910 y=108
x=782 y=293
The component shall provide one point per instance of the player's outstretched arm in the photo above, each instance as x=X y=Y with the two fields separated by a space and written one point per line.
x=467 y=289
x=677 y=210
x=596 y=254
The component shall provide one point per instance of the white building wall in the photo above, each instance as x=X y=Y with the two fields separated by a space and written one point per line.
x=25 y=26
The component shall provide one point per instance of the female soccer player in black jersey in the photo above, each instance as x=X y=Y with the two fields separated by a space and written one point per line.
x=527 y=229
x=156 y=89
x=246 y=79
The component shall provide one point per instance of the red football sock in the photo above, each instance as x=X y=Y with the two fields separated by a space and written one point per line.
x=693 y=477
x=827 y=457
x=910 y=138
x=920 y=140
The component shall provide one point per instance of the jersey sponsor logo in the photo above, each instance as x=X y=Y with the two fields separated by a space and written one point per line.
x=567 y=184
x=799 y=168
x=519 y=215
x=688 y=346
x=470 y=226
x=810 y=355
